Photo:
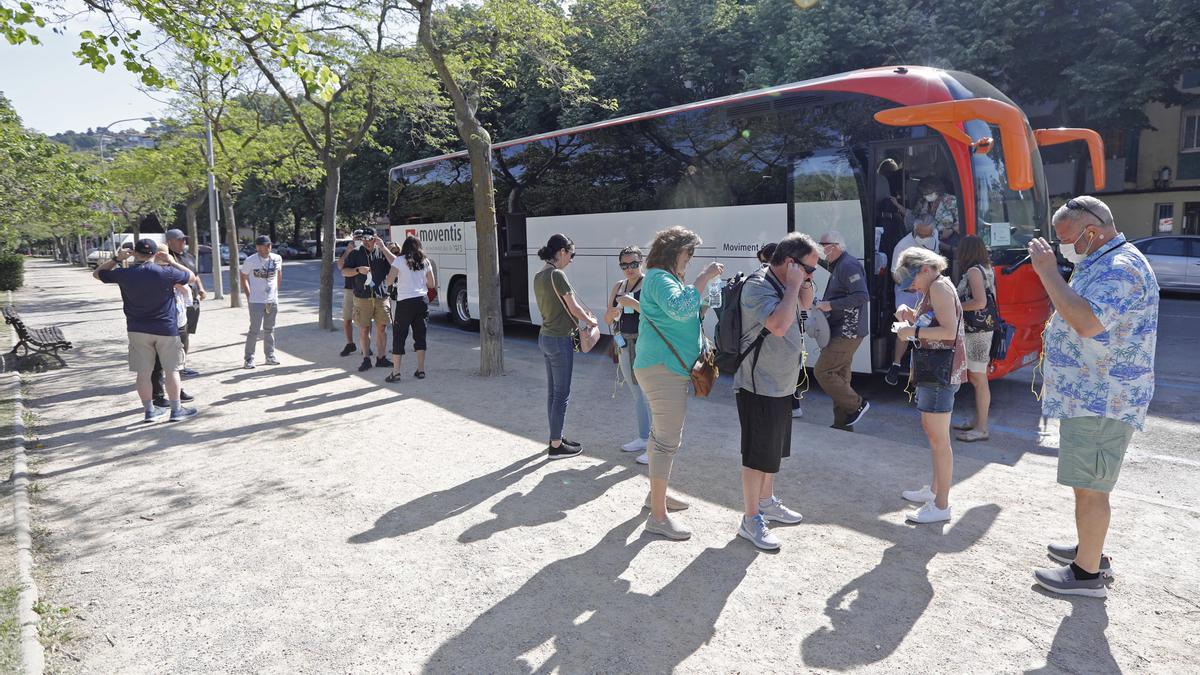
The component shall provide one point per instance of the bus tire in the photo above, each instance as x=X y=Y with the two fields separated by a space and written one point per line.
x=460 y=309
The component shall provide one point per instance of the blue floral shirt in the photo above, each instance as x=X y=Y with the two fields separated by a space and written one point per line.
x=1110 y=375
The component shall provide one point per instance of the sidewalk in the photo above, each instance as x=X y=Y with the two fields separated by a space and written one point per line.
x=315 y=520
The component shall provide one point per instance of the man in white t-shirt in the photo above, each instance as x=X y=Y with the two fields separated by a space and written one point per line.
x=262 y=275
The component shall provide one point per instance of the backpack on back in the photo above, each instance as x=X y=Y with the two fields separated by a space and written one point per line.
x=728 y=339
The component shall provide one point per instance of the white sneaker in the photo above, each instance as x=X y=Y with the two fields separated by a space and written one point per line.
x=643 y=458
x=797 y=413
x=918 y=496
x=777 y=512
x=755 y=529
x=636 y=445
x=929 y=513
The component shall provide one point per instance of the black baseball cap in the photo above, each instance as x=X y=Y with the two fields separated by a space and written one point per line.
x=262 y=239
x=146 y=247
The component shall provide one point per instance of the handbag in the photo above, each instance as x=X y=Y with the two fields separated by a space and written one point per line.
x=933 y=367
x=585 y=336
x=986 y=319
x=704 y=370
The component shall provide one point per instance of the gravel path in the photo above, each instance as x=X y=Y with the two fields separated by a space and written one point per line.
x=313 y=519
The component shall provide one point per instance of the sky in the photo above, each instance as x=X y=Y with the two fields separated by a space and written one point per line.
x=52 y=92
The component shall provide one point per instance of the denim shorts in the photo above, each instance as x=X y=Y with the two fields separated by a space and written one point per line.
x=936 y=399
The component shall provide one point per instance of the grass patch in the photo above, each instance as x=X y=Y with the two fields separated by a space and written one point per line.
x=55 y=631
x=10 y=630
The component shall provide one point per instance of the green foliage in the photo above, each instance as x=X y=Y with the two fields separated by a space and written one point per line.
x=12 y=271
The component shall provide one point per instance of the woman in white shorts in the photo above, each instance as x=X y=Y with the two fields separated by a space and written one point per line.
x=976 y=283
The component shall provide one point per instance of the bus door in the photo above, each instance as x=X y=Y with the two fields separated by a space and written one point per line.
x=514 y=266
x=827 y=188
x=900 y=169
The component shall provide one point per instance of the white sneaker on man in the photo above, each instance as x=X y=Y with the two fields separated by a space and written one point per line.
x=929 y=513
x=797 y=413
x=643 y=458
x=918 y=496
x=636 y=445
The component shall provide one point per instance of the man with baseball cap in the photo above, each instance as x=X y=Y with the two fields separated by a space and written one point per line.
x=189 y=297
x=348 y=294
x=262 y=275
x=367 y=266
x=148 y=296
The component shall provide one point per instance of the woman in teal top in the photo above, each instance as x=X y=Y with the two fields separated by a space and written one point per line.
x=670 y=310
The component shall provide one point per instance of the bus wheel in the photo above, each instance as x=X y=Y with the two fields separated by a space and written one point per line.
x=460 y=310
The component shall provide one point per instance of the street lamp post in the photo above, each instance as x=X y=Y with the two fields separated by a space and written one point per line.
x=214 y=227
x=112 y=234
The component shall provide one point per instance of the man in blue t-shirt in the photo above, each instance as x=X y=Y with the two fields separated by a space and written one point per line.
x=148 y=295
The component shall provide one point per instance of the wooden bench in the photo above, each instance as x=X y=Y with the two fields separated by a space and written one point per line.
x=49 y=340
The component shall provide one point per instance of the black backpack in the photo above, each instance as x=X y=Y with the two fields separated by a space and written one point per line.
x=729 y=353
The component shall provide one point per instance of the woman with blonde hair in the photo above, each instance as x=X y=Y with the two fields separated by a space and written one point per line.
x=977 y=291
x=920 y=271
x=668 y=345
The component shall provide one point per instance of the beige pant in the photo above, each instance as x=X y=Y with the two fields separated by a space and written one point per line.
x=144 y=348
x=667 y=394
x=833 y=374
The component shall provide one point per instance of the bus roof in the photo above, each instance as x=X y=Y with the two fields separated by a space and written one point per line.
x=906 y=85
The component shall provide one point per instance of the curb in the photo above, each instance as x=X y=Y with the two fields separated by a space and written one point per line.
x=33 y=656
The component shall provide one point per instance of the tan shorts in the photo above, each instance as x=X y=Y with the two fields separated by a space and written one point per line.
x=144 y=347
x=367 y=310
x=347 y=304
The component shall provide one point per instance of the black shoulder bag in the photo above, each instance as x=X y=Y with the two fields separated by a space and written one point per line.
x=933 y=367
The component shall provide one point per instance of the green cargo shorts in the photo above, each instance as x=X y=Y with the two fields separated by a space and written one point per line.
x=1090 y=452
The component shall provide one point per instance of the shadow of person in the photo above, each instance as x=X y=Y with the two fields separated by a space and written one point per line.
x=872 y=614
x=1080 y=644
x=549 y=500
x=434 y=507
x=578 y=608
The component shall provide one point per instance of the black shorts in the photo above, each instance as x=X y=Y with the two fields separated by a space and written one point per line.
x=766 y=430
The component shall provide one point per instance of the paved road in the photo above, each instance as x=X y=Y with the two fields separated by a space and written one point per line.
x=1017 y=427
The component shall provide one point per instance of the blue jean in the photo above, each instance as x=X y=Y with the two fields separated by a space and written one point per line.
x=640 y=406
x=936 y=399
x=559 y=353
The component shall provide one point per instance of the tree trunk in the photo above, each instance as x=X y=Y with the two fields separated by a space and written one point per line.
x=231 y=238
x=82 y=250
x=297 y=221
x=491 y=316
x=189 y=213
x=273 y=230
x=333 y=184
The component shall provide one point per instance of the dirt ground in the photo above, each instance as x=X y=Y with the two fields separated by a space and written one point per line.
x=314 y=519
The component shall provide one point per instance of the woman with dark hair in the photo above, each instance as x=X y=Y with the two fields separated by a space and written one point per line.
x=561 y=313
x=411 y=278
x=669 y=344
x=920 y=271
x=623 y=314
x=976 y=281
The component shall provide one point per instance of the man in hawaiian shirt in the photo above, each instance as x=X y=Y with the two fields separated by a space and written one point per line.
x=1099 y=374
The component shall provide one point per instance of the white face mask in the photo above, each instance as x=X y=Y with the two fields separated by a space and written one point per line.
x=931 y=197
x=1074 y=257
x=925 y=242
x=358 y=243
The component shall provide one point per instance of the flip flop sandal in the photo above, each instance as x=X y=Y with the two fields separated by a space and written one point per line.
x=420 y=374
x=964 y=426
x=973 y=436
x=392 y=377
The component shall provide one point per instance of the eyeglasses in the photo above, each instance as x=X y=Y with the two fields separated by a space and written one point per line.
x=807 y=268
x=572 y=255
x=829 y=243
x=630 y=265
x=1075 y=205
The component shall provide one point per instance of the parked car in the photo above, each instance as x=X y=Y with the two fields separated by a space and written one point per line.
x=1174 y=259
x=339 y=247
x=286 y=251
x=310 y=245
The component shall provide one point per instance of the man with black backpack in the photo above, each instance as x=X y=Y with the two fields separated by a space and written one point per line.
x=772 y=342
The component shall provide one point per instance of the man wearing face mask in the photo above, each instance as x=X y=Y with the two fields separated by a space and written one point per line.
x=348 y=295
x=924 y=236
x=939 y=207
x=1099 y=374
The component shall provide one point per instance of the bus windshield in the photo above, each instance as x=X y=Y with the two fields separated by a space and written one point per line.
x=1006 y=219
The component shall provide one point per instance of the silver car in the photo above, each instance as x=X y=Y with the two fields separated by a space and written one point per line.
x=1175 y=261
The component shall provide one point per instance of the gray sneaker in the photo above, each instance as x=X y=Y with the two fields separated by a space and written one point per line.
x=673 y=504
x=1066 y=554
x=779 y=513
x=156 y=413
x=667 y=528
x=1062 y=580
x=249 y=363
x=272 y=361
x=182 y=414
x=755 y=529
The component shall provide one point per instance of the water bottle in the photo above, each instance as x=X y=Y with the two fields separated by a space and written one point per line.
x=713 y=293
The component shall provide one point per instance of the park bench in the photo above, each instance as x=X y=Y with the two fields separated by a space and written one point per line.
x=47 y=340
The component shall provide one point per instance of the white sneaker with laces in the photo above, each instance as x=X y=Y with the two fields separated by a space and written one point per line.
x=636 y=445
x=797 y=413
x=779 y=513
x=643 y=458
x=918 y=496
x=929 y=513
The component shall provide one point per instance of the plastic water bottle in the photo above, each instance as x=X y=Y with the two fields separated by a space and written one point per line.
x=713 y=293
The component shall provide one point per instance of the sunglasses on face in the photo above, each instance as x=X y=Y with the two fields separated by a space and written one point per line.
x=630 y=265
x=572 y=255
x=1076 y=205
